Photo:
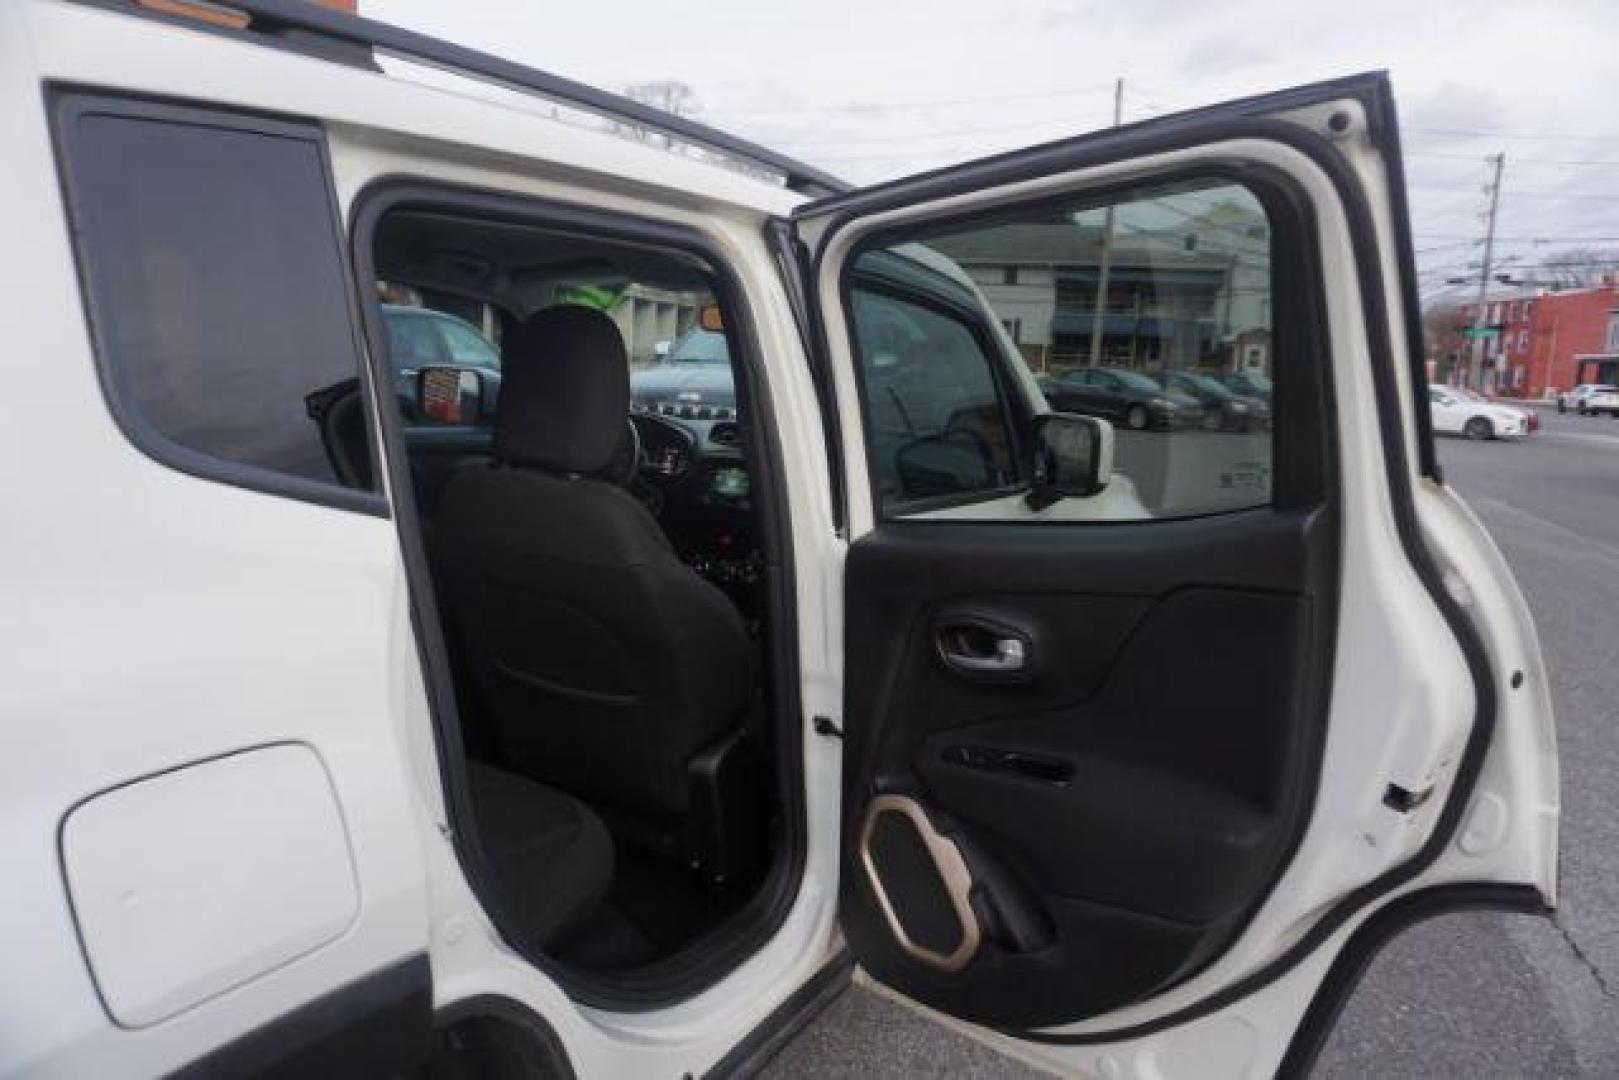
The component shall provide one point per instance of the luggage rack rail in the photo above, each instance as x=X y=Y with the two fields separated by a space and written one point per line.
x=306 y=27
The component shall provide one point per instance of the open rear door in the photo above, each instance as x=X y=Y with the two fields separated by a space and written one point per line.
x=1140 y=778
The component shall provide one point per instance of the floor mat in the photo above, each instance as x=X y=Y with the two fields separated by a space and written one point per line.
x=609 y=942
x=655 y=907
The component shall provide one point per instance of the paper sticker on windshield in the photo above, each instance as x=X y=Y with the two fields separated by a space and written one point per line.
x=1246 y=476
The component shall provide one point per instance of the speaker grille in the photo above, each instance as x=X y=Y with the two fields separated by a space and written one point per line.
x=910 y=877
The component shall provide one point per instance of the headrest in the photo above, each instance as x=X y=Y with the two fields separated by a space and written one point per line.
x=564 y=391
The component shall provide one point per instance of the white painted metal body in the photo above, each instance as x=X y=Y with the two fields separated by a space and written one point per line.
x=154 y=620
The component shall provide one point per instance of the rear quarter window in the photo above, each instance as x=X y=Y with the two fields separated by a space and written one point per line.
x=216 y=287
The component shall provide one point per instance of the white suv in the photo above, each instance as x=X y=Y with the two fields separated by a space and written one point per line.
x=1578 y=397
x=366 y=728
x=1600 y=399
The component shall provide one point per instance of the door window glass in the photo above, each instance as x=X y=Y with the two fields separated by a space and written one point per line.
x=936 y=423
x=1152 y=313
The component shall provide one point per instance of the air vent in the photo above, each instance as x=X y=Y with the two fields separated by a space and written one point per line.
x=725 y=434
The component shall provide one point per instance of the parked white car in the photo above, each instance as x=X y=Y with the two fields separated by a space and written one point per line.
x=1602 y=399
x=547 y=733
x=1576 y=398
x=1531 y=415
x=1474 y=418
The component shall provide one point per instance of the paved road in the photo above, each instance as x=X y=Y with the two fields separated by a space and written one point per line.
x=1474 y=995
x=1524 y=996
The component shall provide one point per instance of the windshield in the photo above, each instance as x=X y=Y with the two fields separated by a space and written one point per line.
x=419 y=337
x=1137 y=381
x=466 y=345
x=700 y=347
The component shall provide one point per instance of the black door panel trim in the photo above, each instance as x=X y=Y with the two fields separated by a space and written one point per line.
x=1141 y=738
x=378 y=1025
x=523 y=1032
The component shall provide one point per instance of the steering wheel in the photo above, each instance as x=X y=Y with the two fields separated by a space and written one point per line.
x=628 y=458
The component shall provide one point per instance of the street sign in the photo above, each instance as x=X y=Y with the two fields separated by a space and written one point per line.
x=1482 y=332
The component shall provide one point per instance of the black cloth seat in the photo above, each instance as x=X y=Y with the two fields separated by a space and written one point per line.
x=604 y=665
x=551 y=857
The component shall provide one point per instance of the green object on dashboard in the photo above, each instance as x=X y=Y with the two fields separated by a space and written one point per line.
x=600 y=297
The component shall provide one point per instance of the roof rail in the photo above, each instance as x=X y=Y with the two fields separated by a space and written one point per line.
x=338 y=36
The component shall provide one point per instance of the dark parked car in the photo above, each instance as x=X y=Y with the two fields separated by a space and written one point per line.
x=1127 y=398
x=1236 y=412
x=420 y=337
x=692 y=381
x=1248 y=384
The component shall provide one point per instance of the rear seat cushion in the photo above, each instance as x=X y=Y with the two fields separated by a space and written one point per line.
x=551 y=856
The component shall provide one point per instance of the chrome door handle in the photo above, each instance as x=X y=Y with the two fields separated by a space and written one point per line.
x=1008 y=656
x=979 y=652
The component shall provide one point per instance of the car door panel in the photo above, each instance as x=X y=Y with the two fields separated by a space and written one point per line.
x=1134 y=792
x=1120 y=818
x=1446 y=416
x=1101 y=398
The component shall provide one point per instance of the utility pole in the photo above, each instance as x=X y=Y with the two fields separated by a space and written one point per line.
x=1476 y=365
x=1100 y=310
x=1551 y=354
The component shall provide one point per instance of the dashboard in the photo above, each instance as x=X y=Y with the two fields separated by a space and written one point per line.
x=700 y=460
x=694 y=479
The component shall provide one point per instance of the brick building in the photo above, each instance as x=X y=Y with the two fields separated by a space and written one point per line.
x=1547 y=342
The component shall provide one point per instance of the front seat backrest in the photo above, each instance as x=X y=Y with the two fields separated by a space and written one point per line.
x=604 y=664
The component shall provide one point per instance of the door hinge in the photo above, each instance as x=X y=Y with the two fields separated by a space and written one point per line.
x=825 y=725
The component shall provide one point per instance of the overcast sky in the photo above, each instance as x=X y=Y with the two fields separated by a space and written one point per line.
x=880 y=88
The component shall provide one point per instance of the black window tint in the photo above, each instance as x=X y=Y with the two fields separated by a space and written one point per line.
x=218 y=288
x=935 y=418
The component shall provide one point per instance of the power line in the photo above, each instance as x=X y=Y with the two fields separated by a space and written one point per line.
x=1527 y=161
x=1521 y=239
x=1519 y=193
x=943 y=133
x=863 y=106
x=1497 y=133
x=1159 y=99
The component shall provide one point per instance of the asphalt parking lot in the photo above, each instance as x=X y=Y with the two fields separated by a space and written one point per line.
x=1467 y=995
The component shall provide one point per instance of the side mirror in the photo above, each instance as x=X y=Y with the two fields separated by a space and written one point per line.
x=661 y=350
x=1072 y=457
x=449 y=395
